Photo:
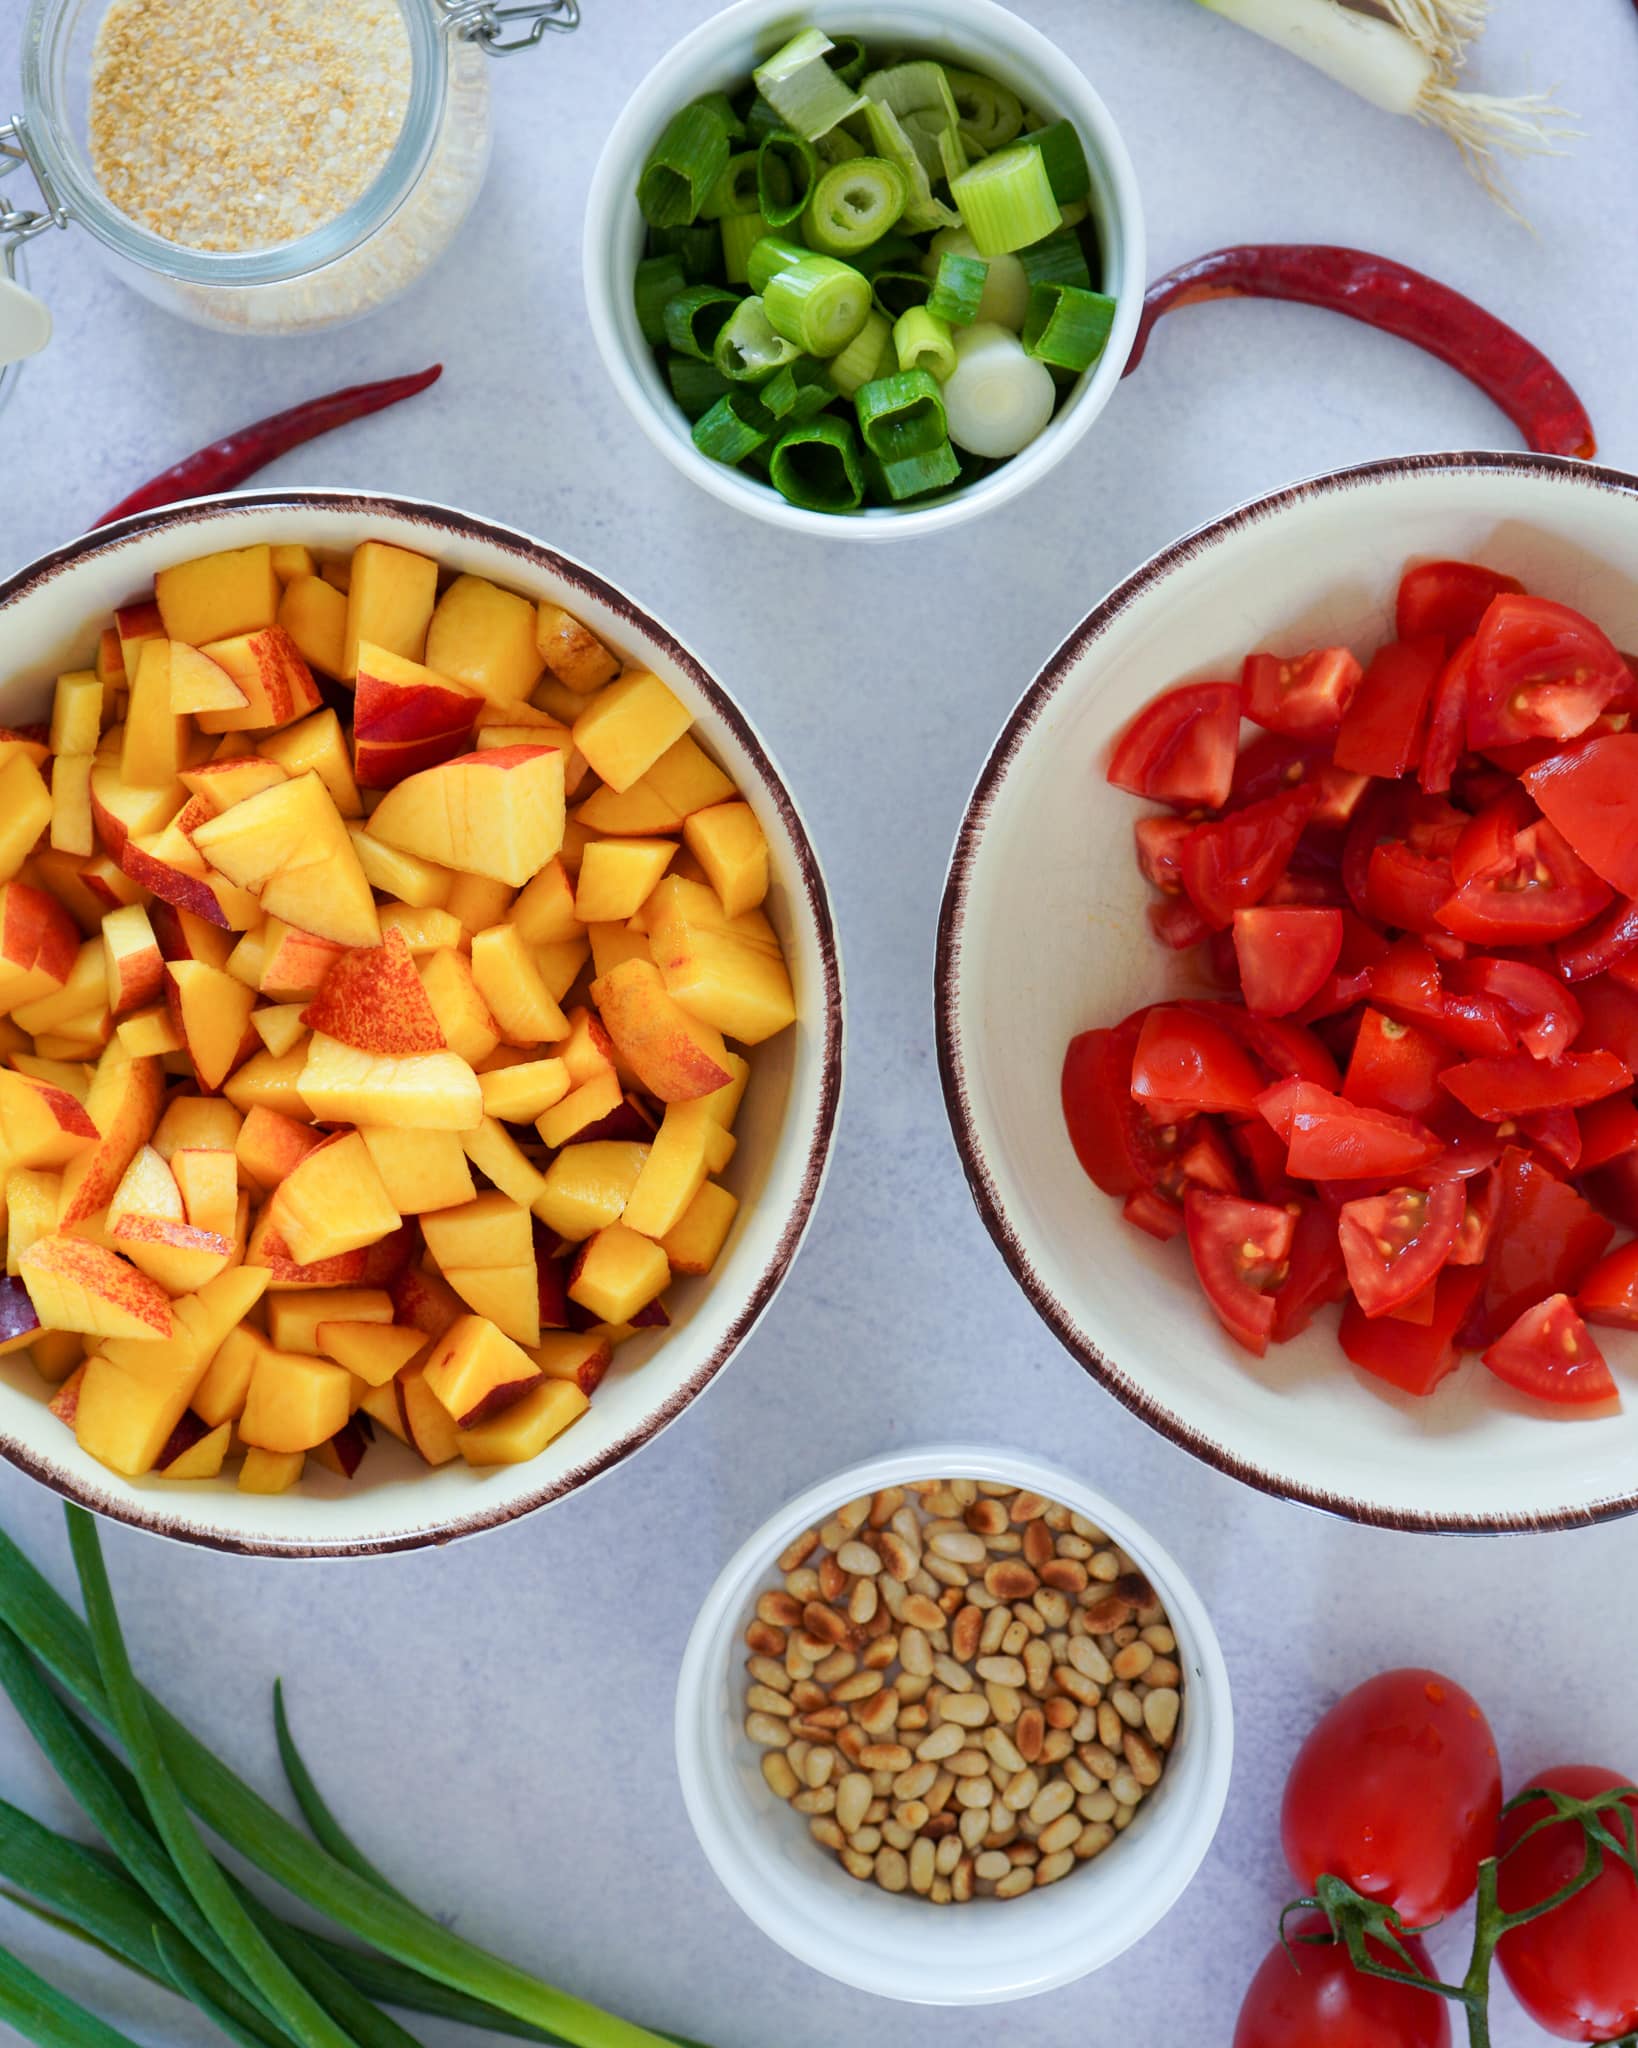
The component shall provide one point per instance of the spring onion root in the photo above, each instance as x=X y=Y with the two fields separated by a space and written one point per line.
x=997 y=399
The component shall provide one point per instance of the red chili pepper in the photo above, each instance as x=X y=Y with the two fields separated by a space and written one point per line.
x=236 y=456
x=1507 y=368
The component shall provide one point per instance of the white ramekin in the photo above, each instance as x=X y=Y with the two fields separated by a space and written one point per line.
x=899 y=1946
x=720 y=54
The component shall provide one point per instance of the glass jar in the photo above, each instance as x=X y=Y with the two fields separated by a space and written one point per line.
x=348 y=266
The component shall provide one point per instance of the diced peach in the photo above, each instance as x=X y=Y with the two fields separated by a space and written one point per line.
x=682 y=781
x=572 y=651
x=270 y=1083
x=511 y=985
x=588 y=1186
x=476 y=1371
x=675 y=1055
x=39 y=944
x=270 y=1145
x=110 y=664
x=425 y=930
x=726 y=971
x=489 y=1231
x=146 y=1188
x=618 y=1273
x=420 y=1169
x=133 y=964
x=84 y=993
x=372 y=1352
x=406 y=718
x=168 y=866
x=197 y=684
x=182 y=936
x=290 y=845
x=484 y=637
x=120 y=809
x=279 y=1026
x=372 y=998
x=222 y=783
x=79 y=1286
x=277 y=685
x=519 y=1094
x=294 y=964
x=428 y=1424
x=314 y=614
x=497 y=813
x=72 y=827
x=545 y=911
x=292 y=560
x=31 y=1202
x=580 y=1110
x=214 y=597
x=499 y=1158
x=626 y=727
x=582 y=1357
x=270 y=1472
x=267 y=1249
x=126 y=1411
x=617 y=876
x=208 y=1182
x=674 y=1171
x=730 y=845
x=195 y=1452
x=417 y=883
x=425 y=1301
x=465 y=1019
x=333 y=1202
x=294 y=1402
x=57 y=1354
x=64 y=1404
x=384 y=1406
x=523 y=1430
x=25 y=811
x=693 y=1244
x=199 y=1123
x=390 y=596
x=560 y=964
x=612 y=944
x=124 y=1104
x=293 y=1319
x=155 y=738
x=220 y=1395
x=212 y=1012
x=317 y=743
x=76 y=713
x=435 y=1091
x=478 y=901
x=41 y=1125
x=180 y=1257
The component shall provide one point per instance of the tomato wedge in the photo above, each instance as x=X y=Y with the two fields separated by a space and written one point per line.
x=1487 y=843
x=1381 y=733
x=1394 y=1244
x=1546 y=1240
x=1609 y=1294
x=1285 y=955
x=1615 y=1189
x=1180 y=748
x=1554 y=1137
x=1233 y=863
x=1119 y=1145
x=1608 y=1129
x=1184 y=1062
x=1414 y=1359
x=1300 y=694
x=1480 y=1197
x=1517 y=1084
x=1407 y=889
x=1587 y=793
x=1546 y=891
x=1549 y=1352
x=1609 y=1019
x=1447 y=597
x=1447 y=722
x=1239 y=1250
x=1158 y=842
x=1541 y=1009
x=1396 y=1067
x=1540 y=671
x=1315 y=1273
x=1176 y=923
x=1599 y=946
x=1154 y=1212
x=1330 y=1138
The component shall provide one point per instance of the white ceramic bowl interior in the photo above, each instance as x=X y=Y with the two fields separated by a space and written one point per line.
x=720 y=55
x=1043 y=934
x=49 y=613
x=899 y=1946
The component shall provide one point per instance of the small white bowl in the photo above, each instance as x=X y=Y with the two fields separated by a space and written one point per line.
x=48 y=612
x=898 y=1946
x=1043 y=934
x=720 y=55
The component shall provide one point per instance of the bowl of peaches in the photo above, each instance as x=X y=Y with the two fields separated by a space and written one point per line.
x=420 y=1024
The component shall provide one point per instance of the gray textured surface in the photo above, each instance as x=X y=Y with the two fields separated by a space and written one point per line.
x=494 y=1722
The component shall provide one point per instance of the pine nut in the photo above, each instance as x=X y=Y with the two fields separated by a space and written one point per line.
x=819 y=1800
x=764 y=1638
x=1005 y=1703
x=800 y=1551
x=862 y=1603
x=1037 y=1667
x=1037 y=1545
x=964 y=1632
x=817 y=1767
x=923 y=1613
x=859 y=1686
x=945 y=1570
x=1109 y=1725
x=1098 y=1805
x=1051 y=1868
x=764 y=1700
x=1015 y=1884
x=1023 y=1789
x=867 y=1840
x=1063 y=1575
x=852 y=1800
x=922 y=1859
x=1004 y=1670
x=967 y=1709
x=1059 y=1834
x=825 y=1624
x=823 y=1584
x=885 y=1756
x=913 y=1782
x=766 y=1672
x=858 y=1557
x=944 y=1741
x=1127 y=1704
x=782 y=1780
x=1093 y=1840
x=1001 y=1751
x=1133 y=1661
x=1101 y=1762
x=912 y=1816
x=1028 y=1733
x=961 y=1881
x=1009 y=1578
x=968 y=1763
x=956 y=1676
x=779 y=1610
x=1105 y=1566
x=857 y=1864
x=986 y=1518
x=1027 y=1507
x=826 y=1831
x=771 y=1733
x=1052 y=1799
x=1160 y=1711
x=1126 y=1789
x=1141 y=1760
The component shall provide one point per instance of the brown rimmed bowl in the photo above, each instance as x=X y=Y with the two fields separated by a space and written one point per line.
x=49 y=613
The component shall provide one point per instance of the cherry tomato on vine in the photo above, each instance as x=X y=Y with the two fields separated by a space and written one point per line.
x=1319 y=2000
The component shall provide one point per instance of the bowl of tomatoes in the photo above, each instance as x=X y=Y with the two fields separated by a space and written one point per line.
x=1287 y=992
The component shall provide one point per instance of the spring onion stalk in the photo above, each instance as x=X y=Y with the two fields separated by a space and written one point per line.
x=392 y=1984
x=896 y=290
x=1065 y=160
x=953 y=155
x=815 y=464
x=659 y=279
x=771 y=255
x=889 y=138
x=760 y=119
x=922 y=341
x=1005 y=298
x=853 y=205
x=1060 y=259
x=819 y=304
x=868 y=356
x=1407 y=64
x=1067 y=326
x=848 y=58
x=694 y=318
x=736 y=190
x=694 y=385
x=735 y=427
x=786 y=167
x=799 y=390
x=1006 y=200
x=748 y=351
x=919 y=94
x=958 y=289
x=336 y=1994
x=740 y=234
x=990 y=115
x=47 y=2017
x=998 y=398
x=893 y=252
x=718 y=103
x=698 y=249
x=901 y=415
x=60 y=1640
x=800 y=86
x=682 y=167
x=839 y=147
x=913 y=476
x=180 y=1965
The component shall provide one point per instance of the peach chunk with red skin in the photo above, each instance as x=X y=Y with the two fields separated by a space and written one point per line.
x=372 y=998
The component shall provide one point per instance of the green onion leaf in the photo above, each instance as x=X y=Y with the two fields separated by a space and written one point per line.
x=760 y=119
x=1059 y=259
x=740 y=234
x=718 y=103
x=838 y=147
x=682 y=167
x=800 y=86
x=847 y=57
x=919 y=94
x=78 y=1890
x=958 y=288
x=699 y=249
x=735 y=190
x=327 y=1830
x=901 y=415
x=48 y=2017
x=913 y=476
x=853 y=205
x=819 y=304
x=799 y=390
x=786 y=166
x=1067 y=327
x=659 y=279
x=734 y=427
x=1065 y=160
x=694 y=318
x=816 y=465
x=747 y=350
x=896 y=290
x=1006 y=200
x=181 y=1966
x=869 y=355
x=990 y=115
x=922 y=342
x=694 y=385
x=392 y=1984
x=889 y=138
x=770 y=255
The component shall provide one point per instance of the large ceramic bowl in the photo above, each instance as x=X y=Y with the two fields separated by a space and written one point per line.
x=48 y=613
x=1043 y=934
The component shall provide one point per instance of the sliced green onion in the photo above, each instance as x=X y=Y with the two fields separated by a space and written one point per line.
x=735 y=426
x=747 y=350
x=48 y=2017
x=1005 y=298
x=740 y=234
x=718 y=103
x=868 y=356
x=890 y=138
x=848 y=58
x=953 y=155
x=694 y=318
x=816 y=465
x=799 y=84
x=1006 y=200
x=912 y=476
x=682 y=167
x=998 y=398
x=895 y=251
x=1067 y=326
x=819 y=304
x=760 y=119
x=735 y=190
x=659 y=280
x=799 y=390
x=839 y=147
x=900 y=415
x=696 y=386
x=699 y=249
x=919 y=94
x=786 y=167
x=1060 y=259
x=1065 y=161
x=853 y=205
x=922 y=342
x=1075 y=212
x=958 y=288
x=897 y=290
x=990 y=114
x=769 y=256
x=181 y=1966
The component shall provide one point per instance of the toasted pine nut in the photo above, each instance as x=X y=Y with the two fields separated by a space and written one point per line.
x=923 y=1613
x=766 y=1701
x=1028 y=1733
x=858 y=1557
x=1009 y=1578
x=782 y=1780
x=818 y=1799
x=1058 y=1834
x=771 y=1733
x=968 y=1709
x=1015 y=1884
x=1160 y=1712
x=1051 y=1868
x=826 y=1831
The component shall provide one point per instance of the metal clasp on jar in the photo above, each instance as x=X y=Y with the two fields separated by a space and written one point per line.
x=483 y=22
x=25 y=325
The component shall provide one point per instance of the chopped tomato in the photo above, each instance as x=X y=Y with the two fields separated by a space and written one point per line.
x=1486 y=843
x=1285 y=1047
x=1479 y=1197
x=1234 y=862
x=1382 y=731
x=1549 y=1352
x=1540 y=1008
x=1396 y=1067
x=1270 y=762
x=1608 y=1129
x=1609 y=1019
x=1118 y=1144
x=1609 y=1294
x=1300 y=694
x=1615 y=1189
x=1599 y=946
x=1412 y=1359
x=1394 y=1244
x=1419 y=1309
x=1546 y=1239
x=1240 y=1251
x=1517 y=1084
x=1330 y=1138
x=1407 y=889
x=1180 y=748
x=1176 y=923
x=1158 y=842
x=1545 y=892
x=1587 y=792
x=1447 y=722
x=1316 y=1274
x=1154 y=1212
x=1184 y=1062
x=1447 y=597
x=1540 y=671
x=1263 y=1151
x=1285 y=955
x=1554 y=1137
